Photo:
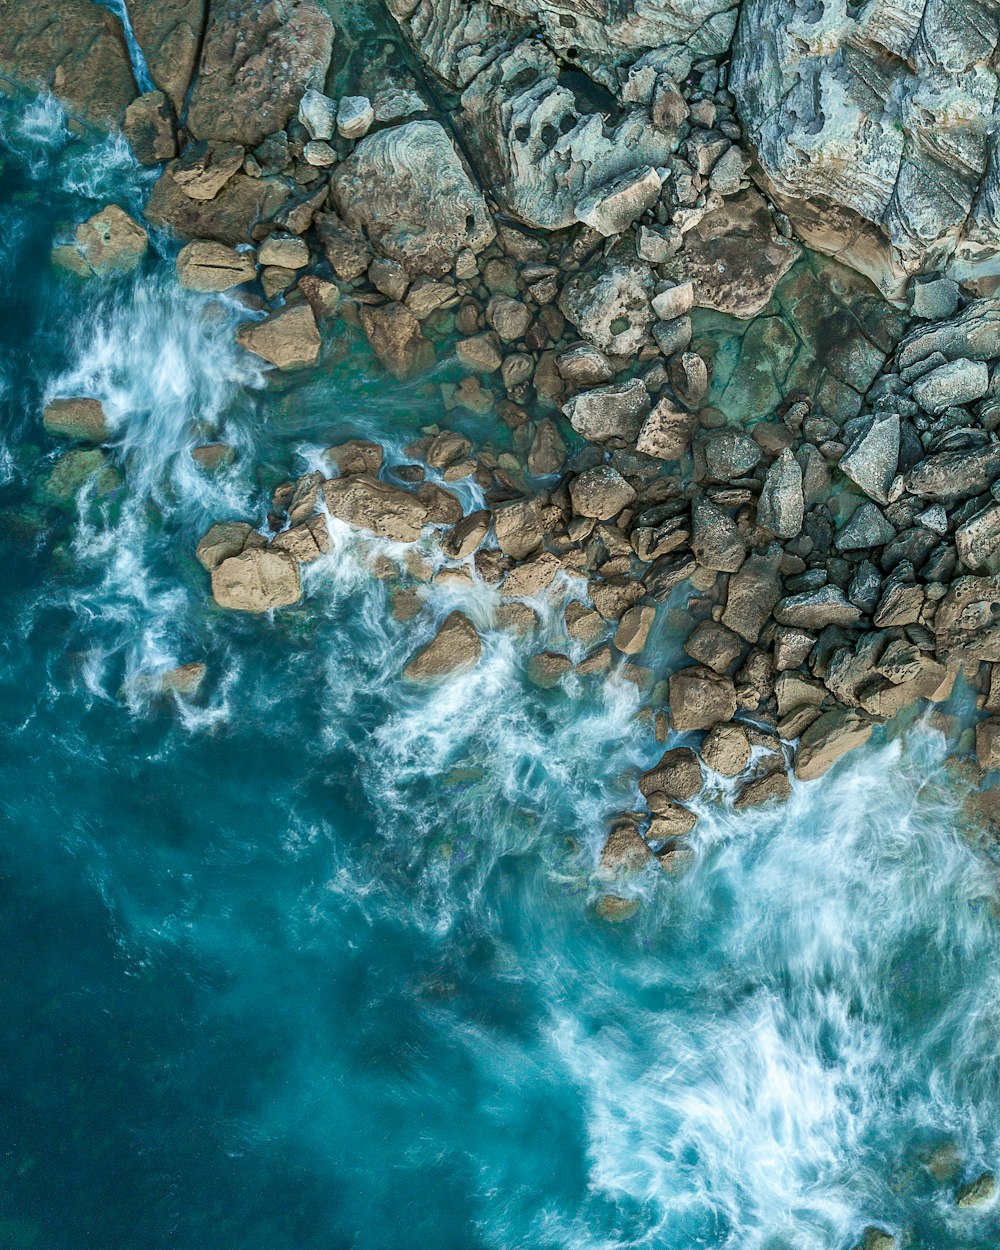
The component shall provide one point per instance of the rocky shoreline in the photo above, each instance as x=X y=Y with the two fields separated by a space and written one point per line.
x=555 y=209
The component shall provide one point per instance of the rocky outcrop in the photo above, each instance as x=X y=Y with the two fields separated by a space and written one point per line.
x=873 y=128
x=73 y=48
x=408 y=190
x=257 y=61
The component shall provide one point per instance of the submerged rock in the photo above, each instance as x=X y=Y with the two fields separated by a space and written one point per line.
x=455 y=648
x=110 y=242
x=978 y=1192
x=82 y=419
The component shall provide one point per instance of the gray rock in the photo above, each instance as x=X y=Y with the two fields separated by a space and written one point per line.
x=354 y=116
x=730 y=454
x=951 y=475
x=977 y=541
x=967 y=622
x=872 y=458
x=584 y=365
x=666 y=432
x=815 y=609
x=950 y=385
x=934 y=299
x=601 y=493
x=674 y=302
x=612 y=208
x=780 y=508
x=866 y=528
x=612 y=414
x=318 y=113
x=753 y=593
x=715 y=538
x=609 y=305
x=407 y=189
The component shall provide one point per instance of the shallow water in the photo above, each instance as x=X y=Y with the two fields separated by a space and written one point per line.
x=311 y=961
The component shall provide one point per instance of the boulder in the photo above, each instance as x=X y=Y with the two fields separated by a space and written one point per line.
x=354 y=116
x=77 y=469
x=726 y=749
x=151 y=129
x=228 y=218
x=950 y=475
x=633 y=629
x=735 y=258
x=872 y=458
x=729 y=455
x=753 y=593
x=677 y=777
x=370 y=504
x=781 y=507
x=952 y=384
x=357 y=455
x=612 y=208
x=226 y=539
x=111 y=242
x=700 y=698
x=204 y=168
x=547 y=668
x=967 y=622
x=407 y=189
x=184 y=680
x=866 y=528
x=857 y=126
x=608 y=302
x=455 y=648
x=257 y=61
x=771 y=788
x=615 y=909
x=304 y=542
x=876 y=1239
x=612 y=414
x=256 y=581
x=715 y=538
x=625 y=853
x=714 y=646
x=829 y=737
x=204 y=265
x=169 y=35
x=978 y=1192
x=463 y=539
x=815 y=609
x=601 y=493
x=287 y=338
x=73 y=48
x=287 y=251
x=518 y=531
x=666 y=432
x=977 y=541
x=81 y=419
x=318 y=113
x=396 y=338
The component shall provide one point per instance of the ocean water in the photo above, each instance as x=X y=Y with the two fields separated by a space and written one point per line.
x=310 y=962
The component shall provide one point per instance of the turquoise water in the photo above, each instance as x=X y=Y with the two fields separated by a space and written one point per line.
x=311 y=961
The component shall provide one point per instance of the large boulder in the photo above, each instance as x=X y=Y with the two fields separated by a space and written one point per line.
x=288 y=338
x=870 y=125
x=81 y=419
x=204 y=265
x=396 y=338
x=256 y=580
x=455 y=648
x=609 y=304
x=829 y=737
x=227 y=218
x=257 y=61
x=110 y=242
x=169 y=33
x=408 y=190
x=73 y=48
x=370 y=504
x=613 y=414
x=700 y=698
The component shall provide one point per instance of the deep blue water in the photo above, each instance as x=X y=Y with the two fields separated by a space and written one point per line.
x=311 y=962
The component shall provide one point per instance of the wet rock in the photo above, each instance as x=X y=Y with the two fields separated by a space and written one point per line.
x=509 y=317
x=829 y=737
x=304 y=542
x=815 y=609
x=616 y=910
x=318 y=113
x=901 y=600
x=609 y=305
x=256 y=581
x=583 y=365
x=612 y=208
x=345 y=249
x=76 y=470
x=547 y=452
x=151 y=129
x=203 y=169
x=111 y=242
x=714 y=646
x=257 y=61
x=672 y=821
x=610 y=414
x=463 y=539
x=546 y=669
x=700 y=698
x=482 y=352
x=726 y=749
x=370 y=504
x=736 y=258
x=791 y=647
x=730 y=454
x=677 y=777
x=601 y=492
x=288 y=338
x=396 y=339
x=633 y=629
x=773 y=787
x=226 y=539
x=753 y=593
x=455 y=648
x=674 y=302
x=407 y=189
x=357 y=455
x=625 y=853
x=228 y=218
x=203 y=265
x=866 y=528
x=666 y=431
x=213 y=456
x=184 y=680
x=715 y=539
x=81 y=419
x=876 y=1239
x=872 y=458
x=518 y=531
x=780 y=508
x=72 y=48
x=978 y=1192
x=952 y=384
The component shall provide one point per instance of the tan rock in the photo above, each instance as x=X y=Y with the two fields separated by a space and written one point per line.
x=111 y=242
x=370 y=504
x=395 y=337
x=633 y=628
x=518 y=531
x=726 y=749
x=700 y=698
x=204 y=265
x=288 y=338
x=226 y=539
x=455 y=648
x=829 y=737
x=83 y=419
x=256 y=581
